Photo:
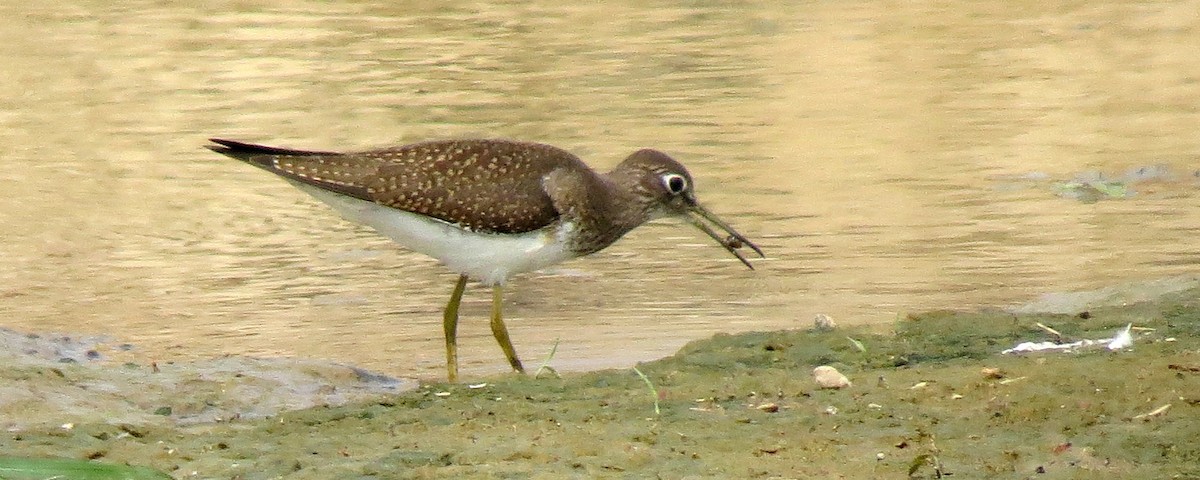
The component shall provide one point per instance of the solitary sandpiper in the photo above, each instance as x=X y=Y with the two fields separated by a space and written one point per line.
x=490 y=209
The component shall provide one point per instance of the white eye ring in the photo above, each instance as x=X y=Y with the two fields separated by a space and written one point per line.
x=675 y=183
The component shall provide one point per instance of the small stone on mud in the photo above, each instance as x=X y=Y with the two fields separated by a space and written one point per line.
x=823 y=323
x=768 y=407
x=828 y=377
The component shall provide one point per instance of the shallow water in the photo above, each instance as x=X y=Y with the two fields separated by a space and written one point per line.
x=889 y=158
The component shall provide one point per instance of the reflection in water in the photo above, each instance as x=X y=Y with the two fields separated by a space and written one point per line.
x=887 y=157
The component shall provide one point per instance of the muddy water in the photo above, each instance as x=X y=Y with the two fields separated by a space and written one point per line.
x=888 y=157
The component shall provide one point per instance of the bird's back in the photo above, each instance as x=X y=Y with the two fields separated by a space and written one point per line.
x=490 y=186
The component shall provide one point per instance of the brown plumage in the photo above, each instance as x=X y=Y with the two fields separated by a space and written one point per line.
x=492 y=186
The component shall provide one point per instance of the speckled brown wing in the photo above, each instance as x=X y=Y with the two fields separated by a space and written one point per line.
x=483 y=185
x=333 y=171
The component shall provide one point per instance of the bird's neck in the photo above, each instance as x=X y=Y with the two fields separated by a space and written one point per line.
x=611 y=210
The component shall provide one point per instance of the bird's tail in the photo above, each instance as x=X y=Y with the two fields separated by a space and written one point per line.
x=247 y=151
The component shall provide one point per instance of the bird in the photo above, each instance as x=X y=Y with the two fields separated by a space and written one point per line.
x=489 y=209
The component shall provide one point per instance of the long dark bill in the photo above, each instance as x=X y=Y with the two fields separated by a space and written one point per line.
x=696 y=214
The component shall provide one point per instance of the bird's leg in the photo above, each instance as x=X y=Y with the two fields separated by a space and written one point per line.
x=501 y=332
x=450 y=328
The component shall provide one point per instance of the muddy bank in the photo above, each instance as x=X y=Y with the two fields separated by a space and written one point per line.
x=62 y=379
x=933 y=396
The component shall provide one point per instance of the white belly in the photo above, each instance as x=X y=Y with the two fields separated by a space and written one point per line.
x=485 y=257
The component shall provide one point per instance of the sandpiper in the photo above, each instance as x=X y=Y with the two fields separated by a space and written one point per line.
x=490 y=209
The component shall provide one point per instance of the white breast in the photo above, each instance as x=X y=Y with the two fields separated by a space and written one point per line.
x=485 y=257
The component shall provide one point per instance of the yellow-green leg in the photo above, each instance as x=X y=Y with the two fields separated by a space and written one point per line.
x=450 y=328
x=501 y=332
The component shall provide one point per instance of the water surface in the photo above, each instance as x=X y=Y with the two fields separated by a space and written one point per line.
x=888 y=157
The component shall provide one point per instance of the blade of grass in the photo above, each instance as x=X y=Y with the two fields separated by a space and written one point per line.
x=649 y=385
x=546 y=363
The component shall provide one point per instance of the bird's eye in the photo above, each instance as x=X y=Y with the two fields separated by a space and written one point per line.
x=675 y=183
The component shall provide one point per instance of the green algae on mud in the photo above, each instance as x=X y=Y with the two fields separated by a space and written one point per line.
x=745 y=406
x=12 y=468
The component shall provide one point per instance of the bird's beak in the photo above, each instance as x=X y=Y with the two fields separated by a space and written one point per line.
x=697 y=215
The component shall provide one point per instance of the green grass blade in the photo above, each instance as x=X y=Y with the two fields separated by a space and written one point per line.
x=653 y=391
x=545 y=367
